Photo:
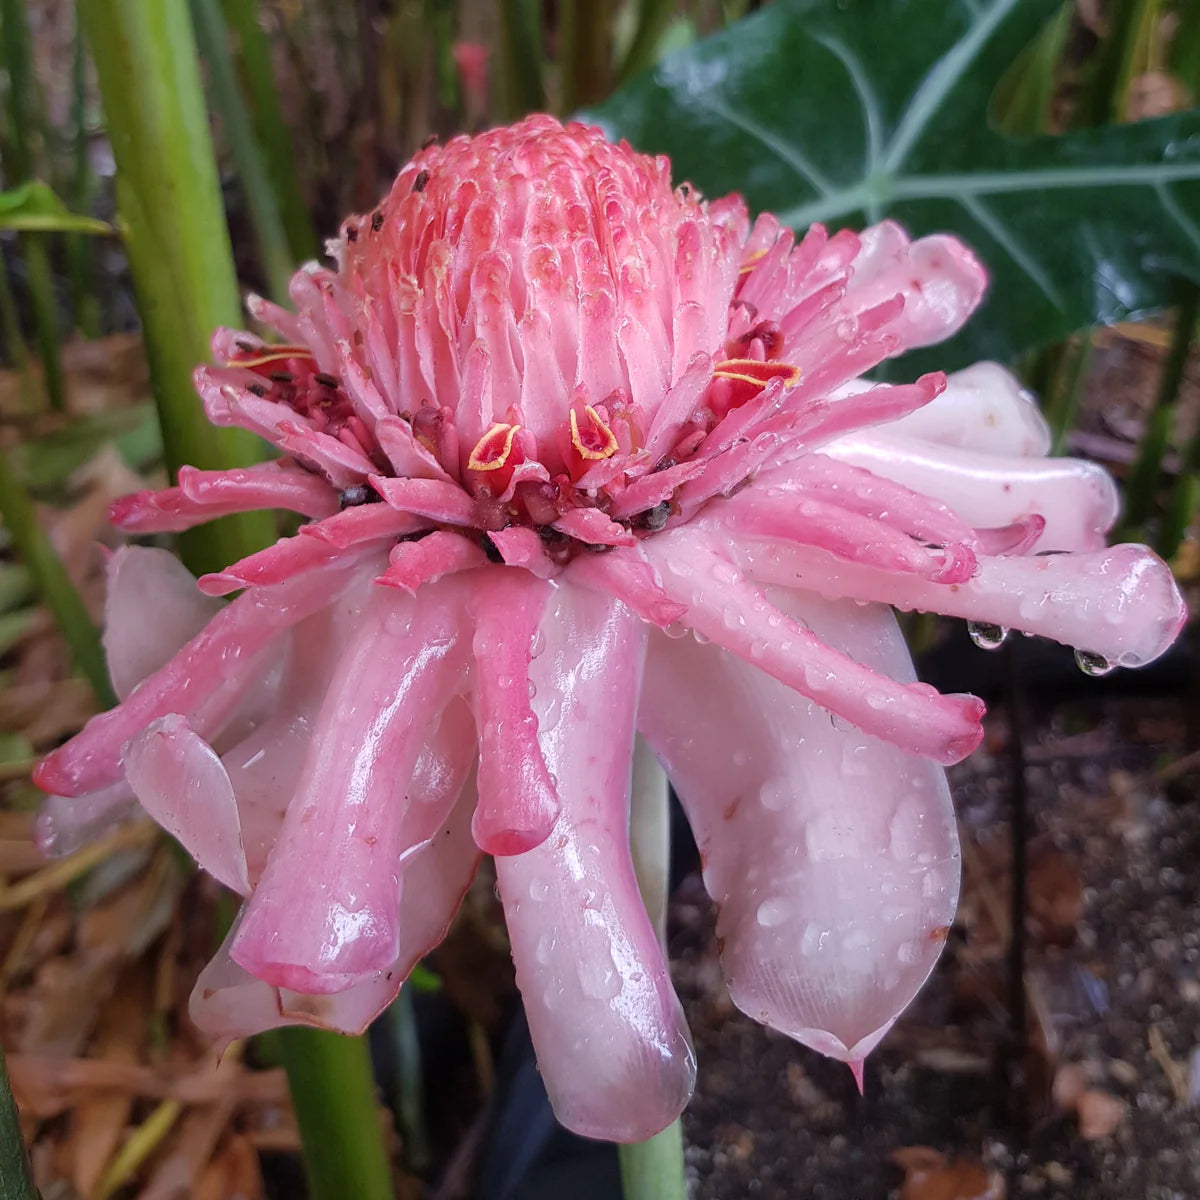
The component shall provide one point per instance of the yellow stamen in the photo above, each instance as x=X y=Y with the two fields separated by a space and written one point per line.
x=485 y=457
x=600 y=432
x=759 y=374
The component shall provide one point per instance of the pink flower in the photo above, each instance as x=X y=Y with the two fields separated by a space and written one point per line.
x=582 y=456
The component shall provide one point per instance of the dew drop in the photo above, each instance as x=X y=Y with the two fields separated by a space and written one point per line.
x=986 y=635
x=1093 y=664
x=676 y=629
x=771 y=913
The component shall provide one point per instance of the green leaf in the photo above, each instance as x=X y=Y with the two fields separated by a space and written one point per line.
x=34 y=208
x=842 y=113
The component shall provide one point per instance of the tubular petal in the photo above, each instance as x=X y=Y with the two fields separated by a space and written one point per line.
x=832 y=857
x=518 y=804
x=609 y=1033
x=1121 y=603
x=323 y=915
x=203 y=683
x=1078 y=499
x=412 y=564
x=724 y=608
x=846 y=535
x=151 y=607
x=181 y=783
x=66 y=823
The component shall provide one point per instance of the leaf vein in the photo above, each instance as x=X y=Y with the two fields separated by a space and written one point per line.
x=1175 y=212
x=940 y=78
x=1003 y=236
x=792 y=155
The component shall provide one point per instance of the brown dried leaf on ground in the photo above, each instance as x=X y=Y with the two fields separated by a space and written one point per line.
x=929 y=1175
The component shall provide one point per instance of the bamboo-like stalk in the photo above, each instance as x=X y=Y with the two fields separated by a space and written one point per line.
x=57 y=591
x=21 y=150
x=254 y=60
x=523 y=88
x=178 y=245
x=653 y=1169
x=1142 y=488
x=275 y=254
x=653 y=17
x=169 y=205
x=585 y=52
x=84 y=303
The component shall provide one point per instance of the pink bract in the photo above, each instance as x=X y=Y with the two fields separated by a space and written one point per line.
x=581 y=455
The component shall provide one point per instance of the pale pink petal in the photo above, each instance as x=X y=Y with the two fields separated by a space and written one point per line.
x=984 y=408
x=228 y=1002
x=609 y=1033
x=940 y=279
x=1121 y=604
x=180 y=782
x=725 y=608
x=204 y=683
x=1078 y=499
x=152 y=607
x=832 y=857
x=67 y=823
x=323 y=915
x=518 y=804
x=343 y=465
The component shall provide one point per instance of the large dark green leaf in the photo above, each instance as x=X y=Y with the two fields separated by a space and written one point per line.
x=846 y=111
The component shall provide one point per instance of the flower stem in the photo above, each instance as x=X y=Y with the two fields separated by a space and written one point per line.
x=16 y=1179
x=653 y=1169
x=169 y=203
x=334 y=1095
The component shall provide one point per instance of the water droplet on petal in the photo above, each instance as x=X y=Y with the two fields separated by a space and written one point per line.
x=771 y=913
x=1093 y=664
x=986 y=635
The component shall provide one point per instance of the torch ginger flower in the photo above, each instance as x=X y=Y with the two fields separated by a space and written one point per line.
x=583 y=456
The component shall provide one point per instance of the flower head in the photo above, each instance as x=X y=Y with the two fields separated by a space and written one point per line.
x=581 y=456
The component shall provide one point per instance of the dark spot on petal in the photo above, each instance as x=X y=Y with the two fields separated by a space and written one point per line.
x=355 y=495
x=420 y=182
x=490 y=549
x=257 y=389
x=655 y=518
x=377 y=220
x=352 y=233
x=281 y=377
x=329 y=381
x=246 y=347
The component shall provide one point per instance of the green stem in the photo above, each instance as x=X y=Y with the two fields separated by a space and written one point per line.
x=1067 y=388
x=652 y=20
x=169 y=204
x=585 y=50
x=274 y=136
x=409 y=1104
x=653 y=1169
x=16 y=1179
x=339 y=1117
x=523 y=90
x=213 y=40
x=20 y=517
x=1147 y=472
x=84 y=303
